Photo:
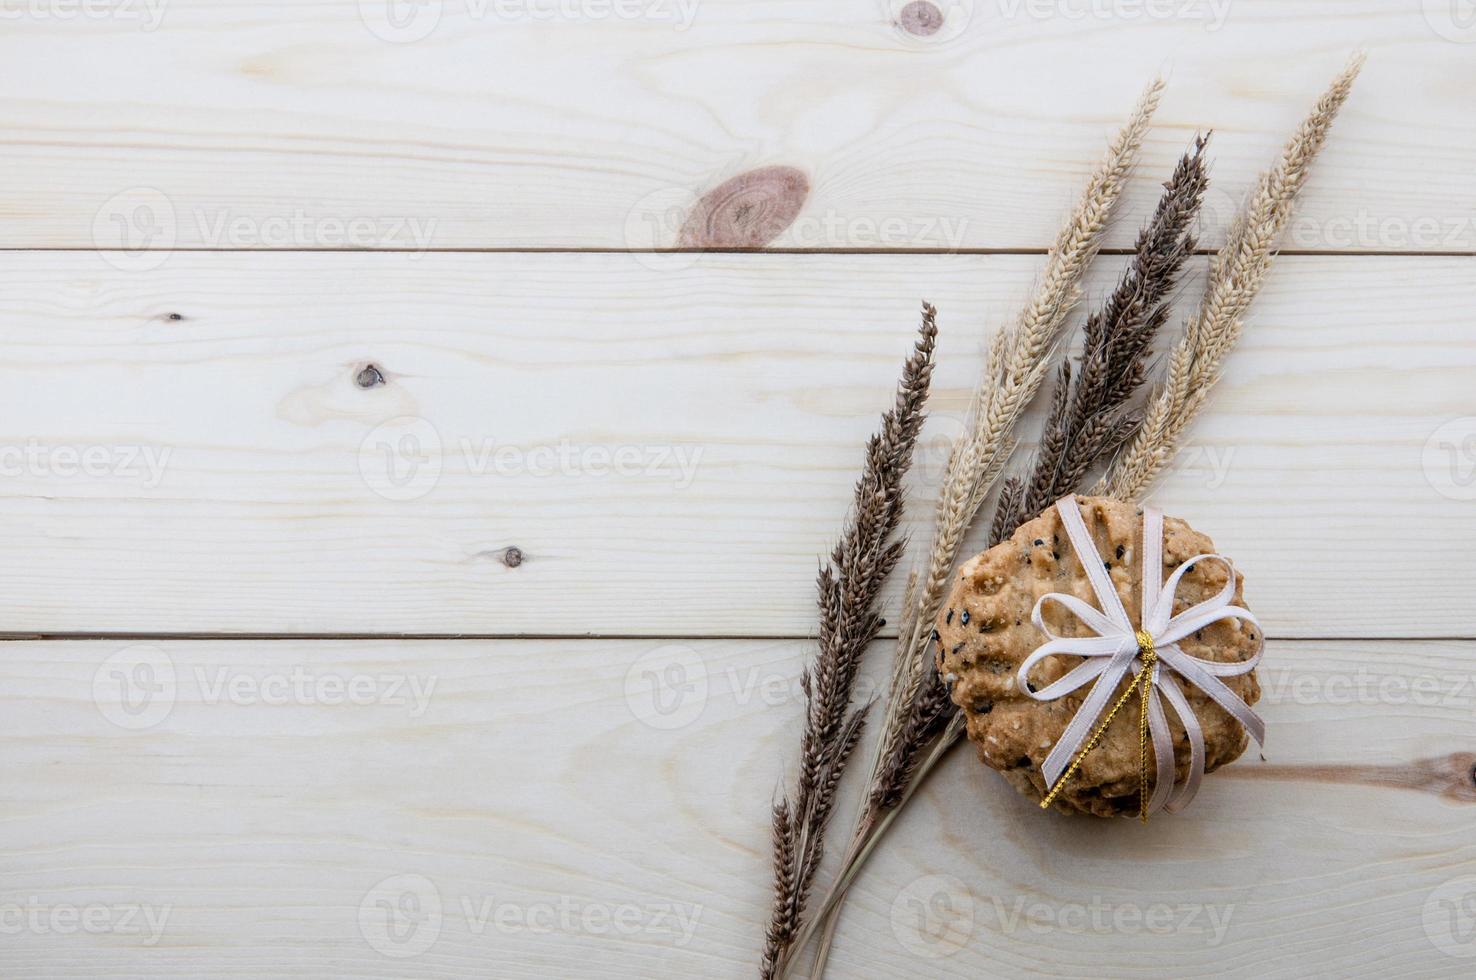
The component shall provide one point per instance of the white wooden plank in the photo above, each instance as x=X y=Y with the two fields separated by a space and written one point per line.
x=538 y=777
x=226 y=472
x=224 y=124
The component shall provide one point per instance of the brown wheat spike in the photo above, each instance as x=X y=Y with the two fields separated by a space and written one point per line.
x=1089 y=419
x=849 y=587
x=1018 y=361
x=1236 y=274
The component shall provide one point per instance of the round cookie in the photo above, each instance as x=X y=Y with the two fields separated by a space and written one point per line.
x=984 y=633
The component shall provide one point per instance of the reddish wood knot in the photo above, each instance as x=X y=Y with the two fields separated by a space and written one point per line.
x=512 y=557
x=921 y=18
x=746 y=211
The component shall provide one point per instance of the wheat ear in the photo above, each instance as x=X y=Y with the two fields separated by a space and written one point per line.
x=1017 y=363
x=1237 y=273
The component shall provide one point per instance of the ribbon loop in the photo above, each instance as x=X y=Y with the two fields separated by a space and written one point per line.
x=1149 y=653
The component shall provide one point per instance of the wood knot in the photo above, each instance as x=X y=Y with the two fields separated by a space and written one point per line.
x=369 y=376
x=746 y=211
x=512 y=557
x=176 y=316
x=921 y=18
x=1458 y=772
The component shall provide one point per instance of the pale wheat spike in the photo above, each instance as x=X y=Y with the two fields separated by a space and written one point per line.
x=1018 y=360
x=1019 y=357
x=1237 y=273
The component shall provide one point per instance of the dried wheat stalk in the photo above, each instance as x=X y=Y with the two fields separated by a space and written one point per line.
x=918 y=707
x=1089 y=418
x=1236 y=275
x=849 y=586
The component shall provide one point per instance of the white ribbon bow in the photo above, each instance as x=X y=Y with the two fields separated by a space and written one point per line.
x=1113 y=652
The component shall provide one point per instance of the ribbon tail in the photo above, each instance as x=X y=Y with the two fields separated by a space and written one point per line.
x=1086 y=716
x=1217 y=691
x=1185 y=794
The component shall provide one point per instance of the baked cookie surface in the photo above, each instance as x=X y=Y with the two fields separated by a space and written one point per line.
x=984 y=633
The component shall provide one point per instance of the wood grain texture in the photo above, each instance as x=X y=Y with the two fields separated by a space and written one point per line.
x=598 y=809
x=547 y=123
x=668 y=451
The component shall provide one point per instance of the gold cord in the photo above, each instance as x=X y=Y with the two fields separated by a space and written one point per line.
x=1150 y=659
x=1141 y=683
